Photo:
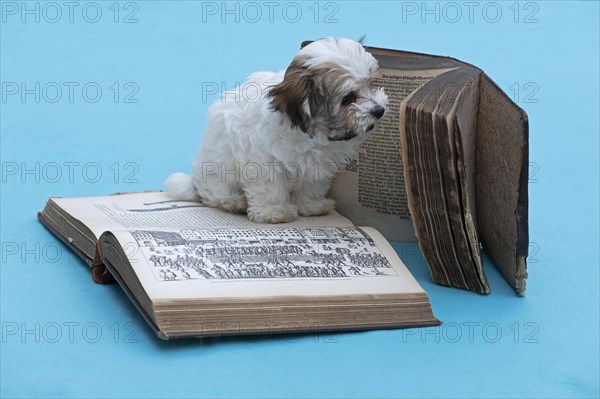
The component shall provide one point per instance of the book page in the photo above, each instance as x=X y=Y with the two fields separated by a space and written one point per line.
x=157 y=210
x=371 y=191
x=257 y=262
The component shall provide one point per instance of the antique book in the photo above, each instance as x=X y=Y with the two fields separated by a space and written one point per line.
x=447 y=166
x=192 y=270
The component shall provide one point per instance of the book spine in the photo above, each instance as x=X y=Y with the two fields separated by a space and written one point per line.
x=100 y=274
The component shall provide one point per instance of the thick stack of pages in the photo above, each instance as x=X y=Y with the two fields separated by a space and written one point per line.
x=438 y=139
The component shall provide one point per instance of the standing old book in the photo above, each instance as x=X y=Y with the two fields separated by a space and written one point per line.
x=447 y=166
x=198 y=271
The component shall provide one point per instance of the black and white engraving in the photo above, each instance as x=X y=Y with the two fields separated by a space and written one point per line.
x=250 y=253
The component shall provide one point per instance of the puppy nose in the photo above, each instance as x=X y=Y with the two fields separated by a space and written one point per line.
x=378 y=111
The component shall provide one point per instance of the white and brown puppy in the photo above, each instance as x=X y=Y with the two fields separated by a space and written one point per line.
x=271 y=146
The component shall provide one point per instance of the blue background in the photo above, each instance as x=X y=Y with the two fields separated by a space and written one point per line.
x=543 y=345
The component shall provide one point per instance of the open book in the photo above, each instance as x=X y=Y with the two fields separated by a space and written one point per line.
x=447 y=166
x=198 y=271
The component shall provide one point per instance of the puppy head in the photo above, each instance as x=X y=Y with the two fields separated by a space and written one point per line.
x=327 y=89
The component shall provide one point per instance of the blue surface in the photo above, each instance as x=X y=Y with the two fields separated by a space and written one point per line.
x=548 y=345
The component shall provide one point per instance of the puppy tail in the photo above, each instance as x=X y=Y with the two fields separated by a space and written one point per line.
x=181 y=186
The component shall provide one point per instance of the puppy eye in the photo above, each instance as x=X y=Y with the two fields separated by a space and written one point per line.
x=349 y=98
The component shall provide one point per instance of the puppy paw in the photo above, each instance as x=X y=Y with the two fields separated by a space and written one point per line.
x=316 y=208
x=273 y=214
x=235 y=204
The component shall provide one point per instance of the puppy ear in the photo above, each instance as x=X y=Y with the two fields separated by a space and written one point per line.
x=291 y=95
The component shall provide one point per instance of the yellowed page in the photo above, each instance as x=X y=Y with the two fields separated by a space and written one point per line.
x=156 y=210
x=259 y=263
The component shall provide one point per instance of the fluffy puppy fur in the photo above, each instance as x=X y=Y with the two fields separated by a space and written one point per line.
x=272 y=146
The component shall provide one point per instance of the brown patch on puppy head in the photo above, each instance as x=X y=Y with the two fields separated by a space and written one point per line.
x=292 y=93
x=328 y=83
x=332 y=113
